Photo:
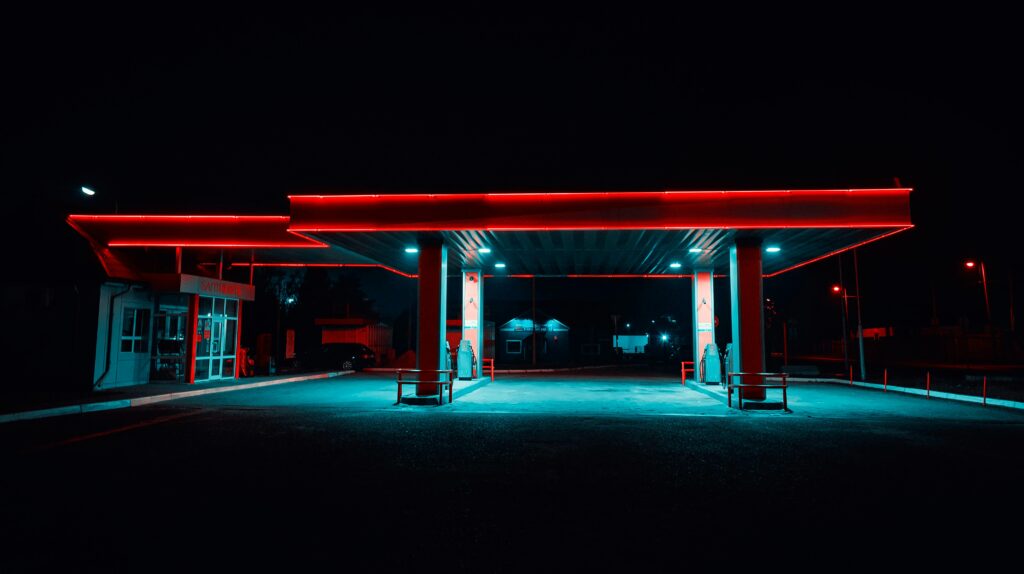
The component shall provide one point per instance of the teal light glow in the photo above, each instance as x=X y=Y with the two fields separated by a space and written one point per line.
x=485 y=250
x=499 y=265
x=696 y=250
x=675 y=265
x=411 y=250
x=772 y=249
x=88 y=191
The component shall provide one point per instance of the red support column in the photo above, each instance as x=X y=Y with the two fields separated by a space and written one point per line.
x=473 y=314
x=433 y=295
x=745 y=282
x=703 y=313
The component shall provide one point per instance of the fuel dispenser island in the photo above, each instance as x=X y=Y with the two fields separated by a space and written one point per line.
x=465 y=360
x=711 y=365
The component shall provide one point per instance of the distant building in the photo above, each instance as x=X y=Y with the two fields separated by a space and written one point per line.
x=517 y=337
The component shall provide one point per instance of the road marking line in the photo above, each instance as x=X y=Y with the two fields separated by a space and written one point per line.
x=138 y=425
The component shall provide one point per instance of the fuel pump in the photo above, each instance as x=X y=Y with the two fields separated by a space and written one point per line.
x=711 y=365
x=466 y=358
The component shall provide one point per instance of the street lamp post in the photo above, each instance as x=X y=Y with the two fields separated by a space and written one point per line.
x=841 y=289
x=843 y=310
x=860 y=324
x=89 y=192
x=984 y=286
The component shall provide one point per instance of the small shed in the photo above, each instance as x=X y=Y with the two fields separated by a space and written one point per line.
x=517 y=337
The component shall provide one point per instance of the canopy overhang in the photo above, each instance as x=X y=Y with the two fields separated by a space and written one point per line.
x=594 y=234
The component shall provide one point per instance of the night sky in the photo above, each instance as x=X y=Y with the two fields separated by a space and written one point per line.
x=192 y=112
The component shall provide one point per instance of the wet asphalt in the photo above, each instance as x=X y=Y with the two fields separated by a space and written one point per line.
x=322 y=474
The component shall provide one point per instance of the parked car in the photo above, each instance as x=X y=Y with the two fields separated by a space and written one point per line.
x=335 y=356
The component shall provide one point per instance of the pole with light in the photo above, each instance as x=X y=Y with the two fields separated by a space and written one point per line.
x=843 y=311
x=89 y=192
x=984 y=285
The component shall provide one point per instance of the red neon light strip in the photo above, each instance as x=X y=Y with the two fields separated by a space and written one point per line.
x=118 y=217
x=838 y=251
x=364 y=265
x=247 y=245
x=532 y=195
x=222 y=231
x=667 y=210
x=585 y=227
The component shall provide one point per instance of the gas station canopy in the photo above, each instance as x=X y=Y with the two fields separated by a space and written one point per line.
x=594 y=234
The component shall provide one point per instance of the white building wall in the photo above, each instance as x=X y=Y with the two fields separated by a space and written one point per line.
x=126 y=368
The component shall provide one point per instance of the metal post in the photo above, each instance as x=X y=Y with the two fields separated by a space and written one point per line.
x=984 y=285
x=843 y=310
x=860 y=325
x=885 y=380
x=984 y=389
x=1013 y=320
x=928 y=384
x=177 y=260
x=533 y=320
x=785 y=344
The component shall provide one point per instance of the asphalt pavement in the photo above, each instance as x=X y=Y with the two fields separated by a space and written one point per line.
x=600 y=472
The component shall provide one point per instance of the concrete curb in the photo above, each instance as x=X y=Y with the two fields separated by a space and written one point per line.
x=505 y=371
x=559 y=370
x=470 y=387
x=141 y=401
x=702 y=389
x=920 y=392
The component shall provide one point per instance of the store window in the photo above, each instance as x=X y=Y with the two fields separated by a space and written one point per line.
x=135 y=330
x=513 y=347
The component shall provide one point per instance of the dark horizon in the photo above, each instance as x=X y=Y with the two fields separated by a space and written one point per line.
x=226 y=115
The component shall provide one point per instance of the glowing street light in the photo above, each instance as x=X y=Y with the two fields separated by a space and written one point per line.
x=984 y=284
x=88 y=191
x=412 y=250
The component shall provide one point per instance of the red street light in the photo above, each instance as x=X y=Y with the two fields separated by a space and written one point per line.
x=836 y=288
x=984 y=285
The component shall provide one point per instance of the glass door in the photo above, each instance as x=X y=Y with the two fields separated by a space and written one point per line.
x=215 y=338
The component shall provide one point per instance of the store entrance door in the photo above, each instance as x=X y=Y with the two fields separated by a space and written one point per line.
x=215 y=338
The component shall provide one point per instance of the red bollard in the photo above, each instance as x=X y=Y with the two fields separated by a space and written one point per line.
x=851 y=375
x=885 y=380
x=928 y=384
x=984 y=390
